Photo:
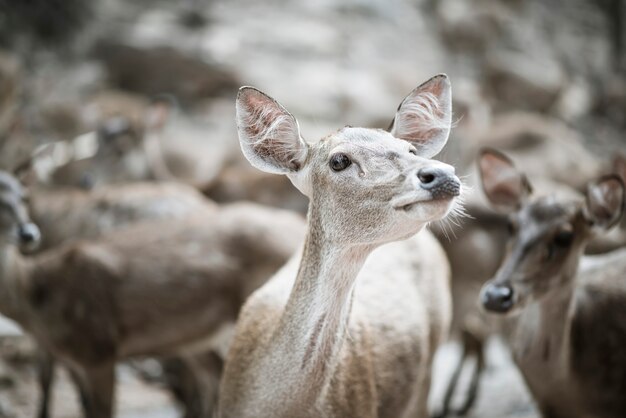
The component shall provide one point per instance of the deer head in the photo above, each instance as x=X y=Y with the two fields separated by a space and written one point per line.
x=15 y=225
x=366 y=186
x=547 y=234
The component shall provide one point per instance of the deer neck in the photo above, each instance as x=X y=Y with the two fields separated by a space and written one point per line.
x=13 y=271
x=312 y=329
x=544 y=327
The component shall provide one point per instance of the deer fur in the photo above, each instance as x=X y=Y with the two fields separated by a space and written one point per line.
x=475 y=250
x=69 y=213
x=154 y=289
x=65 y=214
x=338 y=332
x=566 y=312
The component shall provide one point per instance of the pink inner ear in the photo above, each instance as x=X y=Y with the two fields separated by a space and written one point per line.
x=261 y=113
x=425 y=114
x=619 y=166
x=502 y=183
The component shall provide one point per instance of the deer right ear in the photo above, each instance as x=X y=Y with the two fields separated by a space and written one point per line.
x=424 y=117
x=505 y=187
x=604 y=203
x=269 y=135
x=619 y=166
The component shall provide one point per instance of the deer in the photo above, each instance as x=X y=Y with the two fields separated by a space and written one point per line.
x=66 y=214
x=141 y=141
x=168 y=288
x=476 y=251
x=564 y=312
x=337 y=332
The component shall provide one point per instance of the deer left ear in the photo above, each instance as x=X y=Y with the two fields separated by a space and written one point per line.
x=604 y=203
x=424 y=117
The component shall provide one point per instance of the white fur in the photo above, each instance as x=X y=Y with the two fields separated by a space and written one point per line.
x=283 y=133
x=424 y=118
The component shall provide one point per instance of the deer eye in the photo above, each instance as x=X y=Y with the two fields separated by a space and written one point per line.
x=412 y=151
x=339 y=162
x=563 y=239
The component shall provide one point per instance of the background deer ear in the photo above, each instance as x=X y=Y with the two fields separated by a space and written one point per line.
x=424 y=117
x=604 y=203
x=268 y=134
x=619 y=166
x=505 y=187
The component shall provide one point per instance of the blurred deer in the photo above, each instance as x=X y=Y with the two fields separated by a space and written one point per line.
x=567 y=328
x=138 y=141
x=157 y=289
x=67 y=214
x=475 y=250
x=338 y=332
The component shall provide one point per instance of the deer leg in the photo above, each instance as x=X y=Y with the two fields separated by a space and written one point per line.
x=207 y=370
x=183 y=383
x=472 y=393
x=453 y=384
x=473 y=345
x=45 y=371
x=82 y=394
x=97 y=390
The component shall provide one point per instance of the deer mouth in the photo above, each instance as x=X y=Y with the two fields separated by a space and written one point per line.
x=444 y=198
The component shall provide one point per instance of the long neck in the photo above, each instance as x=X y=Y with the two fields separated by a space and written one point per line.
x=13 y=269
x=306 y=343
x=542 y=331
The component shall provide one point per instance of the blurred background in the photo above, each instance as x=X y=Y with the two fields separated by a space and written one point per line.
x=115 y=91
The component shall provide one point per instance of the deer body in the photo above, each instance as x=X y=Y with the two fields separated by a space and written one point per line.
x=68 y=213
x=568 y=335
x=338 y=332
x=568 y=347
x=155 y=289
x=376 y=348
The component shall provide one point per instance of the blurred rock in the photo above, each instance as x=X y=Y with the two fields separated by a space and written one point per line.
x=9 y=89
x=612 y=100
x=43 y=22
x=575 y=101
x=523 y=81
x=466 y=26
x=157 y=70
x=7 y=376
x=543 y=147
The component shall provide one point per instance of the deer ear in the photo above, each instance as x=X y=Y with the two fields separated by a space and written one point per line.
x=604 y=202
x=269 y=135
x=505 y=187
x=619 y=166
x=424 y=117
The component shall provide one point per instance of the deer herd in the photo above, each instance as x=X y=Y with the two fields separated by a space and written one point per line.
x=265 y=314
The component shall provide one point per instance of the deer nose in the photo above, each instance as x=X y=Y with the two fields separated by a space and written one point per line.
x=29 y=234
x=440 y=182
x=497 y=298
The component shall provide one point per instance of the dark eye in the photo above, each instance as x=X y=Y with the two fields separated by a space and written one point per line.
x=412 y=151
x=563 y=239
x=339 y=162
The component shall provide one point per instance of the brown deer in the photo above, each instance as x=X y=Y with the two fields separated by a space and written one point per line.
x=475 y=250
x=336 y=333
x=567 y=325
x=137 y=141
x=66 y=214
x=155 y=289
